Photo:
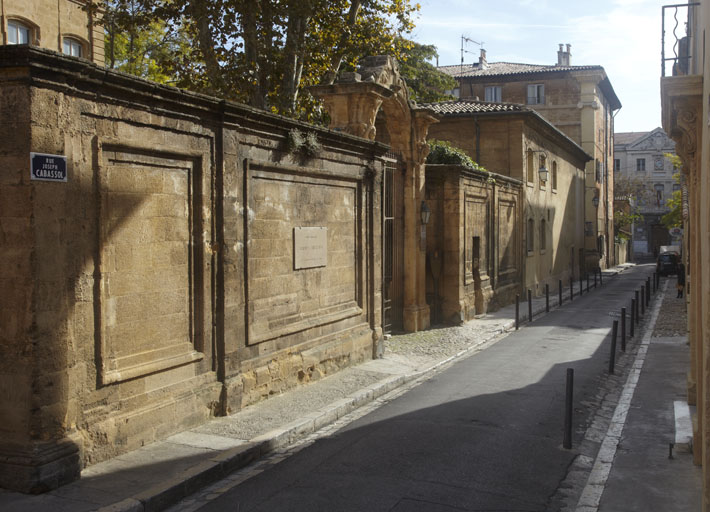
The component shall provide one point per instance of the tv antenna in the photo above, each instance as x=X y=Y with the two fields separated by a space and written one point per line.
x=465 y=40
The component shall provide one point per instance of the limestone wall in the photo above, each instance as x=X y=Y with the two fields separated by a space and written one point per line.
x=173 y=276
x=473 y=242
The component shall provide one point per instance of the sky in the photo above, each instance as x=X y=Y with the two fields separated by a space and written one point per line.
x=623 y=36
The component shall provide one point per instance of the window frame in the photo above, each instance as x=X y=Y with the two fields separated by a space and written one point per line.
x=543 y=236
x=75 y=41
x=640 y=165
x=19 y=23
x=553 y=176
x=530 y=238
x=530 y=167
x=538 y=97
x=497 y=93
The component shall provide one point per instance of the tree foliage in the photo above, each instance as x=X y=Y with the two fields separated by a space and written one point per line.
x=426 y=83
x=265 y=53
x=442 y=152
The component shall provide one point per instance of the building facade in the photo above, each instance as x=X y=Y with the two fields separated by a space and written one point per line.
x=580 y=102
x=64 y=26
x=685 y=89
x=640 y=164
x=515 y=141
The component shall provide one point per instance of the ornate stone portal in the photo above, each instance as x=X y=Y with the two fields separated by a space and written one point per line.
x=353 y=103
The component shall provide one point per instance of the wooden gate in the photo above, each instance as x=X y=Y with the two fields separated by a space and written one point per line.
x=393 y=243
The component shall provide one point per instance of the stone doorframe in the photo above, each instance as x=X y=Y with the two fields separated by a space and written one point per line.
x=353 y=103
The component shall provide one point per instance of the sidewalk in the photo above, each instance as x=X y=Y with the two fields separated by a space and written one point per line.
x=162 y=473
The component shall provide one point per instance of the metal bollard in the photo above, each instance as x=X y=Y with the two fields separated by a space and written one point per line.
x=600 y=276
x=643 y=300
x=658 y=280
x=648 y=291
x=612 y=355
x=517 y=311
x=571 y=288
x=654 y=282
x=560 y=303
x=581 y=286
x=623 y=329
x=569 y=393
x=595 y=278
x=587 y=282
x=547 y=298
x=636 y=294
x=529 y=305
x=633 y=318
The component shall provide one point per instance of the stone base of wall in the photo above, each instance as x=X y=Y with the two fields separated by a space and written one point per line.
x=290 y=368
x=39 y=467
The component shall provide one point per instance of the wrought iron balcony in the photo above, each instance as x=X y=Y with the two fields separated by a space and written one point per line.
x=677 y=48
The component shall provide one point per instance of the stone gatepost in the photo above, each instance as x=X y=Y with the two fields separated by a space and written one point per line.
x=353 y=103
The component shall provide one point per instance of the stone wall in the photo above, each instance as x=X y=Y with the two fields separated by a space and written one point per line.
x=191 y=264
x=473 y=242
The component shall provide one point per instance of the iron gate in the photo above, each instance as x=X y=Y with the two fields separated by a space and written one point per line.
x=392 y=243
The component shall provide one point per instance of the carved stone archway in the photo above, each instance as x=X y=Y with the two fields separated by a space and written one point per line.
x=353 y=103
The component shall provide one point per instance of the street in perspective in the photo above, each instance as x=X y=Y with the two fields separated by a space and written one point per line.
x=485 y=432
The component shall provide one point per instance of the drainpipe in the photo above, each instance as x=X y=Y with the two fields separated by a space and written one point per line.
x=478 y=139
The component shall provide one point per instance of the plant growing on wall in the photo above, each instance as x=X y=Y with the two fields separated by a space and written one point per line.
x=303 y=144
x=442 y=152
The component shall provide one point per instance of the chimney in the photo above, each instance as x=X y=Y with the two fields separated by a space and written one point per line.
x=563 y=57
x=482 y=62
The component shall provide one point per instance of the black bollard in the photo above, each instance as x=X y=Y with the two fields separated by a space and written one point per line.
x=600 y=277
x=658 y=280
x=560 y=303
x=529 y=305
x=517 y=311
x=612 y=355
x=571 y=288
x=547 y=298
x=567 y=442
x=587 y=282
x=654 y=282
x=633 y=318
x=623 y=329
x=643 y=300
x=648 y=291
x=581 y=286
x=595 y=278
x=636 y=295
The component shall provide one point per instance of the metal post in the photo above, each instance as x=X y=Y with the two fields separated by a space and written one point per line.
x=600 y=277
x=529 y=305
x=658 y=280
x=571 y=289
x=623 y=329
x=654 y=282
x=643 y=300
x=547 y=297
x=587 y=282
x=560 y=303
x=636 y=295
x=633 y=318
x=595 y=278
x=581 y=289
x=567 y=442
x=648 y=291
x=612 y=355
x=517 y=311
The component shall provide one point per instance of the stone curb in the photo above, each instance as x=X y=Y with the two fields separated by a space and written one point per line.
x=165 y=494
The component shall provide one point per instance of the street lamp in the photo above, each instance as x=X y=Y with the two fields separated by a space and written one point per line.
x=425 y=213
x=544 y=173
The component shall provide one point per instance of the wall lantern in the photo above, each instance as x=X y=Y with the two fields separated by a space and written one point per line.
x=426 y=213
x=544 y=173
x=595 y=201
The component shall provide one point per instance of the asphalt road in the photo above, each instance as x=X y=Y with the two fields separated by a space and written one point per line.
x=483 y=435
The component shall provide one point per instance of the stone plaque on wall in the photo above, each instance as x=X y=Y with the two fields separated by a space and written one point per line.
x=310 y=247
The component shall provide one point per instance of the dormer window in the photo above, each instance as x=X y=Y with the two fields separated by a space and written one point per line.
x=72 y=47
x=18 y=33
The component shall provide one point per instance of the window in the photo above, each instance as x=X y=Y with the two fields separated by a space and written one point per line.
x=617 y=165
x=530 y=235
x=71 y=46
x=543 y=237
x=17 y=33
x=530 y=166
x=554 y=175
x=597 y=171
x=676 y=186
x=641 y=164
x=536 y=94
x=453 y=92
x=658 y=187
x=493 y=93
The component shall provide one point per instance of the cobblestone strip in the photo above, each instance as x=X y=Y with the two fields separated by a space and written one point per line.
x=594 y=488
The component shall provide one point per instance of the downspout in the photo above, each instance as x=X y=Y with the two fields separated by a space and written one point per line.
x=478 y=139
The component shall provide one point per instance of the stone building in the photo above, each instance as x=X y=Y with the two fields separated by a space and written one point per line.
x=60 y=25
x=639 y=156
x=166 y=257
x=685 y=89
x=580 y=102
x=515 y=141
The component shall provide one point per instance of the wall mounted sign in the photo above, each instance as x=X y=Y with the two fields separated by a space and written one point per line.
x=48 y=167
x=310 y=247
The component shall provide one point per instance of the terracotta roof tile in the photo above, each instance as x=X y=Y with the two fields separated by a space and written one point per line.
x=472 y=106
x=506 y=68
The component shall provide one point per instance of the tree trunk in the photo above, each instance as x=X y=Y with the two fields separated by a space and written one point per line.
x=339 y=51
x=293 y=57
x=205 y=40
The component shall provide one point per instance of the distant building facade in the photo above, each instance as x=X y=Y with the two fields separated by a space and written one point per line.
x=60 y=25
x=580 y=102
x=639 y=156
